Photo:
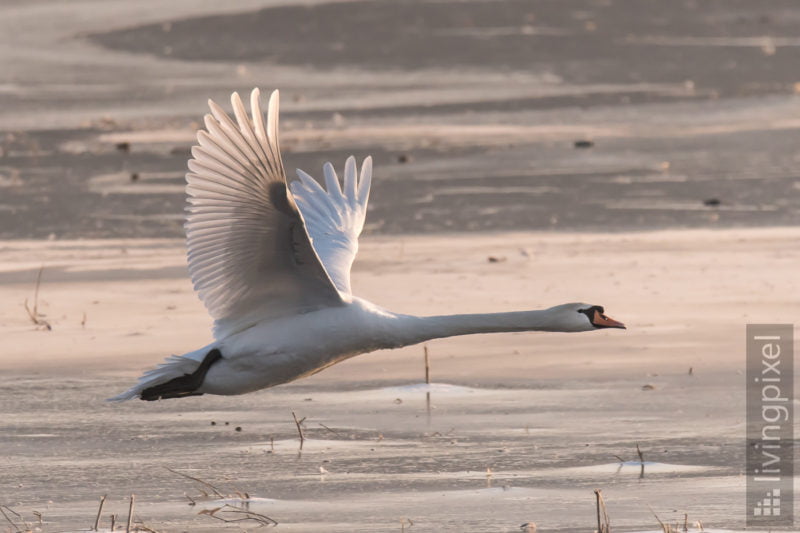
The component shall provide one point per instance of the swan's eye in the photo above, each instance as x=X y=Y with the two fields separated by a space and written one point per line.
x=589 y=311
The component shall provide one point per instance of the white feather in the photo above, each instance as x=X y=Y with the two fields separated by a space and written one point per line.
x=335 y=218
x=250 y=257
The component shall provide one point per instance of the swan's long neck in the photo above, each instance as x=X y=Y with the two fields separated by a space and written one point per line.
x=407 y=329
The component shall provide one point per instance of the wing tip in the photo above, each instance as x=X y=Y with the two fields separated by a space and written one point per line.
x=236 y=100
x=365 y=181
x=274 y=102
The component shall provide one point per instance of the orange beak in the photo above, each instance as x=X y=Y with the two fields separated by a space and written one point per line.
x=602 y=321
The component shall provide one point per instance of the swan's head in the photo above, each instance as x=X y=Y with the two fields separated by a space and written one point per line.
x=584 y=317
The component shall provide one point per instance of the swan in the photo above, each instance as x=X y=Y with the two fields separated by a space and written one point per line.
x=272 y=262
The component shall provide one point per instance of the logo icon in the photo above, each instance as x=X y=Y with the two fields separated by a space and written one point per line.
x=770 y=505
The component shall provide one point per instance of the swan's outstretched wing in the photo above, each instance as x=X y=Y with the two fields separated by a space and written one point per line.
x=250 y=257
x=335 y=217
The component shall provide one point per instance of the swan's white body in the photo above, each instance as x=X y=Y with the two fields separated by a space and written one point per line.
x=273 y=268
x=287 y=348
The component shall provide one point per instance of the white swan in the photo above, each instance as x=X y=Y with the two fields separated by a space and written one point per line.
x=273 y=268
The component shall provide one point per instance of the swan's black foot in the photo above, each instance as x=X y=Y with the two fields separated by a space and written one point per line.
x=186 y=385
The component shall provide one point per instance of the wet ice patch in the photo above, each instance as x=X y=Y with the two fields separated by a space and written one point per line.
x=633 y=468
x=315 y=445
x=242 y=501
x=702 y=529
x=434 y=388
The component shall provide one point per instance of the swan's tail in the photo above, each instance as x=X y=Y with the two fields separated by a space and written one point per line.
x=173 y=369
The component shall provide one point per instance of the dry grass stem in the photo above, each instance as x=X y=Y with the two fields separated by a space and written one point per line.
x=641 y=460
x=428 y=382
x=214 y=489
x=130 y=514
x=299 y=428
x=99 y=512
x=330 y=429
x=17 y=529
x=37 y=318
x=238 y=515
x=666 y=528
x=427 y=366
x=603 y=523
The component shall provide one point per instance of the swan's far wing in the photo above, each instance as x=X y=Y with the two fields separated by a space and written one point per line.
x=335 y=217
x=249 y=255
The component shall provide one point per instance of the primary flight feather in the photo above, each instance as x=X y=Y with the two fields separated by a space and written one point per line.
x=272 y=263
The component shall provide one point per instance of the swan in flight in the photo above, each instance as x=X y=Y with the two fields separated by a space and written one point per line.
x=272 y=262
